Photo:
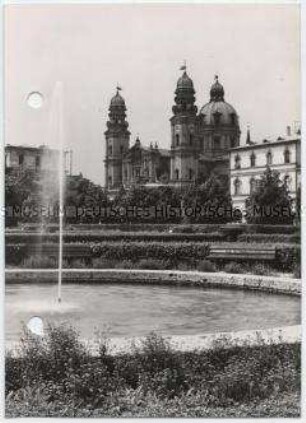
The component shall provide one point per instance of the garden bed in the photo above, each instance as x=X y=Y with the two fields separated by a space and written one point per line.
x=153 y=380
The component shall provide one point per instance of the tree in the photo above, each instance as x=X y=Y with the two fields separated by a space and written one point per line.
x=270 y=202
x=209 y=202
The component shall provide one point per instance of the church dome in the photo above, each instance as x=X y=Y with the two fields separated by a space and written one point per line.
x=117 y=101
x=220 y=112
x=217 y=111
x=185 y=82
x=217 y=91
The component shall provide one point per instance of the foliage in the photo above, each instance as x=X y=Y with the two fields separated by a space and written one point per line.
x=279 y=238
x=209 y=202
x=150 y=264
x=234 y=267
x=58 y=373
x=173 y=252
x=270 y=202
x=206 y=266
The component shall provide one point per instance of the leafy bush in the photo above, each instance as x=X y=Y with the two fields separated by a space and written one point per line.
x=260 y=269
x=150 y=264
x=234 y=267
x=102 y=263
x=280 y=238
x=39 y=262
x=58 y=373
x=206 y=266
x=173 y=252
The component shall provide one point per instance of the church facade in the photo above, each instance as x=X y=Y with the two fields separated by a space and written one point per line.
x=200 y=142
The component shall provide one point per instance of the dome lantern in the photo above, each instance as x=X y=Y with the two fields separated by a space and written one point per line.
x=216 y=91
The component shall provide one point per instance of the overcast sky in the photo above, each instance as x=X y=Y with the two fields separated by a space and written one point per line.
x=91 y=48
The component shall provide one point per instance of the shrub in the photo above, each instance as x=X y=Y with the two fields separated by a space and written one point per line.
x=125 y=264
x=287 y=256
x=206 y=266
x=234 y=267
x=280 y=238
x=150 y=264
x=172 y=252
x=102 y=263
x=260 y=269
x=39 y=262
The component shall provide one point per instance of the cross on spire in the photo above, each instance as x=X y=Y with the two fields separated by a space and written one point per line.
x=118 y=88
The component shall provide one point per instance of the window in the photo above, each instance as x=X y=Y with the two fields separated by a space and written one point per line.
x=233 y=142
x=217 y=143
x=109 y=180
x=287 y=181
x=177 y=174
x=177 y=138
x=252 y=160
x=121 y=149
x=110 y=150
x=287 y=156
x=237 y=186
x=190 y=174
x=217 y=118
x=37 y=162
x=21 y=159
x=233 y=118
x=269 y=158
x=253 y=185
x=190 y=139
x=237 y=162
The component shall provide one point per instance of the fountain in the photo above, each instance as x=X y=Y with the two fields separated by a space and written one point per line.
x=55 y=138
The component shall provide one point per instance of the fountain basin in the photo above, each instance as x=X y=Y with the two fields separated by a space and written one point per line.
x=133 y=310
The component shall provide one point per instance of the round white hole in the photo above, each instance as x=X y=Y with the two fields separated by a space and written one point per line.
x=35 y=100
x=36 y=325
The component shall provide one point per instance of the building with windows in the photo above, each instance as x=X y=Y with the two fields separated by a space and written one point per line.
x=248 y=163
x=200 y=142
x=127 y=165
x=20 y=158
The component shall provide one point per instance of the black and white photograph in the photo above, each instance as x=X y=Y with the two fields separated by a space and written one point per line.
x=152 y=175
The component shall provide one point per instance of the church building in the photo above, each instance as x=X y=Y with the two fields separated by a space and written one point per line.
x=200 y=142
x=203 y=143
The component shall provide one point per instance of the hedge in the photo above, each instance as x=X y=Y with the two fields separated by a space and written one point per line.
x=69 y=237
x=173 y=252
x=260 y=237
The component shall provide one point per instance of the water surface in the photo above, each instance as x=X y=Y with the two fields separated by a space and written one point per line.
x=135 y=310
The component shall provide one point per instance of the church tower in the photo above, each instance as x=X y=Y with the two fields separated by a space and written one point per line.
x=117 y=137
x=184 y=140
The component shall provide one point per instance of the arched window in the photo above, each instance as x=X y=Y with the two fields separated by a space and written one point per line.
x=233 y=118
x=37 y=162
x=190 y=139
x=287 y=156
x=177 y=138
x=121 y=149
x=269 y=158
x=177 y=174
x=253 y=185
x=237 y=162
x=253 y=160
x=237 y=186
x=190 y=173
x=110 y=150
x=21 y=159
x=233 y=141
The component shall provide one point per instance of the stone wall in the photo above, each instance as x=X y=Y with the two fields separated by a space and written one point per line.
x=169 y=277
